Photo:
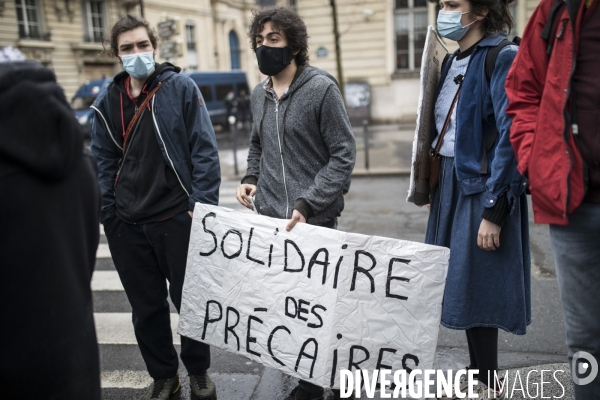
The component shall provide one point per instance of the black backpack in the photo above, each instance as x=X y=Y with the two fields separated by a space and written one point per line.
x=490 y=64
x=551 y=28
x=492 y=55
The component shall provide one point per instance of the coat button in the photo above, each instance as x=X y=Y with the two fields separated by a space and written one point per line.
x=491 y=201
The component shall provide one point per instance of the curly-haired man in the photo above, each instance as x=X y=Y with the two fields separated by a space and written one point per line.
x=302 y=148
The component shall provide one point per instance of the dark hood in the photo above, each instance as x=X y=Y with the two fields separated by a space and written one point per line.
x=38 y=130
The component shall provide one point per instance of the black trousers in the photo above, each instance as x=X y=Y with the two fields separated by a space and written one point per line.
x=146 y=256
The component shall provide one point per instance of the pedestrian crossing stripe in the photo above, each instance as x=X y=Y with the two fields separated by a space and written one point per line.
x=103 y=251
x=106 y=281
x=125 y=379
x=117 y=328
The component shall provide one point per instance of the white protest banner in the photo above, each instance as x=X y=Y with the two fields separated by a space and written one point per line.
x=431 y=67
x=311 y=301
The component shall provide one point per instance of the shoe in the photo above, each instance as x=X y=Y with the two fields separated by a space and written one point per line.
x=202 y=387
x=163 y=389
x=463 y=387
x=336 y=396
x=299 y=394
x=485 y=393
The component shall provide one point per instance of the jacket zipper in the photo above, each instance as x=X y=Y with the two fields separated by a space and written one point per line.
x=122 y=163
x=287 y=200
x=568 y=119
x=165 y=147
x=107 y=128
x=559 y=36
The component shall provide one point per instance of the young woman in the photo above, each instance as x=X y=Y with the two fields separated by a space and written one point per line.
x=479 y=207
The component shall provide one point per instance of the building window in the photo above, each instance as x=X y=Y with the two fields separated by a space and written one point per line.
x=410 y=20
x=190 y=39
x=28 y=16
x=266 y=3
x=94 y=21
x=234 y=48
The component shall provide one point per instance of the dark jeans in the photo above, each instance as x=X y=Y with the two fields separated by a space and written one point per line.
x=577 y=255
x=146 y=256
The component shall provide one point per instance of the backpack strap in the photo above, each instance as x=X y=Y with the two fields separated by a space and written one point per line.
x=445 y=60
x=139 y=112
x=490 y=64
x=488 y=146
x=492 y=55
x=551 y=26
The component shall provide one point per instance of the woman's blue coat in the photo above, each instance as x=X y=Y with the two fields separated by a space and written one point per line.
x=483 y=288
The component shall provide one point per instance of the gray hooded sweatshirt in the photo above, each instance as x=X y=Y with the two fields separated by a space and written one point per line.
x=302 y=149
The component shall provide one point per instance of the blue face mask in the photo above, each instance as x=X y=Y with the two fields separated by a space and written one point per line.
x=449 y=25
x=138 y=65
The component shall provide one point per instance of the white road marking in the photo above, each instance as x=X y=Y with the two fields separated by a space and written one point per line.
x=103 y=251
x=125 y=379
x=117 y=328
x=106 y=281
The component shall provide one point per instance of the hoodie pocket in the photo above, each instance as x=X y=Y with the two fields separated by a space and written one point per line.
x=125 y=187
x=153 y=183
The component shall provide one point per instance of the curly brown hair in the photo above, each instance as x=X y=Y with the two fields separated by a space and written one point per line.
x=128 y=23
x=285 y=20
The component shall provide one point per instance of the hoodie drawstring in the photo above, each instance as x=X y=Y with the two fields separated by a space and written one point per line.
x=122 y=114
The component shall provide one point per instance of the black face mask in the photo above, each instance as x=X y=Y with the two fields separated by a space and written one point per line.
x=272 y=60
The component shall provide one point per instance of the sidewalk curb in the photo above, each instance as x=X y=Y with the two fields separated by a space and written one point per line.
x=357 y=173
x=380 y=172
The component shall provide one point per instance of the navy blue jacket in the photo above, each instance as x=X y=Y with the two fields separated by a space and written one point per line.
x=184 y=133
x=480 y=109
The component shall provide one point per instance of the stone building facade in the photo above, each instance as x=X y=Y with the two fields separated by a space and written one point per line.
x=381 y=40
x=66 y=35
x=381 y=44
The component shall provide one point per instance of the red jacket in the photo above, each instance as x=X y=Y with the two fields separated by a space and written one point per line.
x=538 y=88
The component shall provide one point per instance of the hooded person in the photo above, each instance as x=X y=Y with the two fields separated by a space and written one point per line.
x=49 y=214
x=157 y=156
